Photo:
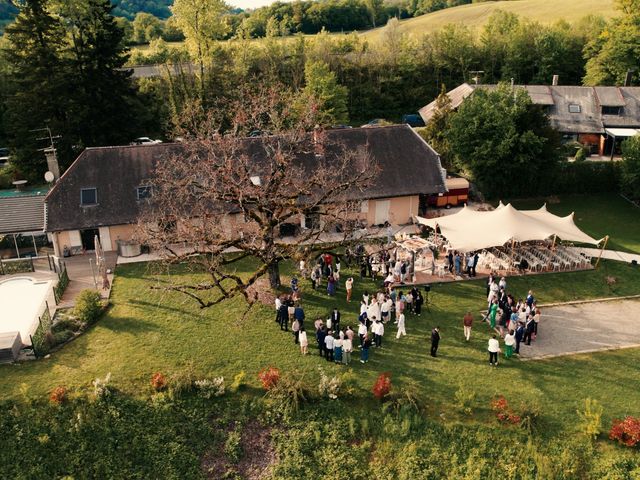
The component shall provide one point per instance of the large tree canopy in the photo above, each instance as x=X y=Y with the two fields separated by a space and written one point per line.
x=503 y=142
x=222 y=190
x=64 y=64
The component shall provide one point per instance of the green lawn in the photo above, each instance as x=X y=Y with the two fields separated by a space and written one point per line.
x=598 y=215
x=147 y=331
x=475 y=15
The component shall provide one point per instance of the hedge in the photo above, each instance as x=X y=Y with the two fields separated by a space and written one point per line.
x=581 y=177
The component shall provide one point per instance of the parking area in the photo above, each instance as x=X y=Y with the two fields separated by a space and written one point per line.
x=584 y=328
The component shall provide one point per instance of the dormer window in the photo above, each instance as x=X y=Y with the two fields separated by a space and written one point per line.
x=610 y=110
x=143 y=192
x=574 y=108
x=88 y=196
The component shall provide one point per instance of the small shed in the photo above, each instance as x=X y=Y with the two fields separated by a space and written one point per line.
x=457 y=194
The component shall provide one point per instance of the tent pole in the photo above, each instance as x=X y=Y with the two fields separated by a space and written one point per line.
x=33 y=239
x=513 y=242
x=553 y=246
x=604 y=245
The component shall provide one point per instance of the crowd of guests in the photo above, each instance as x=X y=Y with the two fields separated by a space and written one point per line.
x=516 y=322
x=336 y=342
x=458 y=262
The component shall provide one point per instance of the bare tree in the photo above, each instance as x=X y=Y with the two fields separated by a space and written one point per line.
x=225 y=192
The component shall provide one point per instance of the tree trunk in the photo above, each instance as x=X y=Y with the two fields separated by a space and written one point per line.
x=274 y=274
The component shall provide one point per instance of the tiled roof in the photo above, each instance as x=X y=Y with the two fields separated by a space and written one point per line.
x=408 y=166
x=22 y=214
x=557 y=99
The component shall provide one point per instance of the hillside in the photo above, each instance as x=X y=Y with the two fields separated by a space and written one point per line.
x=475 y=15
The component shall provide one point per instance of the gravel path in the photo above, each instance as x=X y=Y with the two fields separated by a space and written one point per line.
x=583 y=328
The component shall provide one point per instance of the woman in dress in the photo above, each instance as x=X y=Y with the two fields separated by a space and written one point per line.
x=337 y=348
x=304 y=342
x=493 y=311
x=331 y=286
x=509 y=342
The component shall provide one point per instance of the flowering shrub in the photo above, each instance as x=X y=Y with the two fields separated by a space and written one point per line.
x=329 y=387
x=269 y=377
x=58 y=395
x=101 y=386
x=626 y=432
x=382 y=387
x=210 y=388
x=503 y=411
x=158 y=382
x=238 y=381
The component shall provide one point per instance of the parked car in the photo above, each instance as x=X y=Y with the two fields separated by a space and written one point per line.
x=4 y=156
x=145 y=141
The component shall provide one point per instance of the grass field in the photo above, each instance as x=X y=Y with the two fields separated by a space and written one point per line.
x=598 y=215
x=147 y=330
x=476 y=15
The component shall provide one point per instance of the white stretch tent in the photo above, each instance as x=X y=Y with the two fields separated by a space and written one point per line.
x=470 y=230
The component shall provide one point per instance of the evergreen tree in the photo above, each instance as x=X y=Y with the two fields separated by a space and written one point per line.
x=103 y=101
x=323 y=88
x=435 y=131
x=32 y=52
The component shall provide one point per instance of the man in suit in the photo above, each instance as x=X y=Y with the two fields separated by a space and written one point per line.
x=435 y=340
x=519 y=336
x=335 y=320
x=283 y=316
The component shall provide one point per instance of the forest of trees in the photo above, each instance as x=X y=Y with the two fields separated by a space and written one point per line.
x=283 y=18
x=356 y=80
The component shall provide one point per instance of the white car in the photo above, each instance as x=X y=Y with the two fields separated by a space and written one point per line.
x=4 y=156
x=145 y=141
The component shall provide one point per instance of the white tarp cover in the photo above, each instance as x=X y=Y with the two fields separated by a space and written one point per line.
x=622 y=132
x=470 y=230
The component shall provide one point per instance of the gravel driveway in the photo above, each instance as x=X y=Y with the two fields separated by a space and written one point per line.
x=586 y=327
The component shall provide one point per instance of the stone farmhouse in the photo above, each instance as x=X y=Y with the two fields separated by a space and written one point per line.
x=103 y=192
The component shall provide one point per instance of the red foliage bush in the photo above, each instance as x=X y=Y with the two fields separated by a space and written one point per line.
x=269 y=377
x=382 y=387
x=58 y=395
x=626 y=432
x=158 y=382
x=503 y=412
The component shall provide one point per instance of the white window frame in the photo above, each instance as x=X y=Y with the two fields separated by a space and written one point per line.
x=147 y=187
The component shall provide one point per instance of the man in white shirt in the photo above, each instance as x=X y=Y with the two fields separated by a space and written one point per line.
x=385 y=308
x=494 y=348
x=362 y=331
x=328 y=343
x=379 y=333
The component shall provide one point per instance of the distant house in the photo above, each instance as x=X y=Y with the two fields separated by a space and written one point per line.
x=103 y=191
x=594 y=116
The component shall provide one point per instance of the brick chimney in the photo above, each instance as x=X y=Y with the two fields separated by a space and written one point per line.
x=52 y=162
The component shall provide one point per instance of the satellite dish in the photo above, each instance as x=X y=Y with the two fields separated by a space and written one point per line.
x=49 y=177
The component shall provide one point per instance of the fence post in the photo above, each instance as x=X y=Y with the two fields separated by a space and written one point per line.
x=46 y=302
x=1 y=267
x=55 y=295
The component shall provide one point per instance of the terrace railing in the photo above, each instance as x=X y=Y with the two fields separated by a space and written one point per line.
x=18 y=265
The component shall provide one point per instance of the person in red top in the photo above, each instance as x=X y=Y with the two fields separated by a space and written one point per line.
x=467 y=323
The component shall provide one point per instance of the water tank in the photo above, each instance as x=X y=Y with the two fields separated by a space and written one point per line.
x=128 y=248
